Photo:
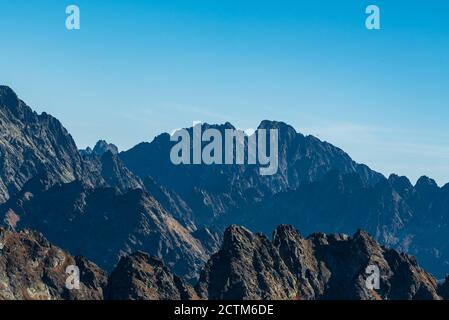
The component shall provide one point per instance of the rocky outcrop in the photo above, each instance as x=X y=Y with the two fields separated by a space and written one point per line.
x=141 y=277
x=250 y=266
x=33 y=269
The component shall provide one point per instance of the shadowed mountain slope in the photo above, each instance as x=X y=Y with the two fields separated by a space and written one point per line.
x=104 y=224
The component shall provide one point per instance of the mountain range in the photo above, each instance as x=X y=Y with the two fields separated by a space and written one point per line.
x=248 y=266
x=111 y=207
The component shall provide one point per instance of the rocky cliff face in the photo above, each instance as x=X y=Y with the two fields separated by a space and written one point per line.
x=33 y=269
x=31 y=144
x=110 y=171
x=141 y=277
x=250 y=266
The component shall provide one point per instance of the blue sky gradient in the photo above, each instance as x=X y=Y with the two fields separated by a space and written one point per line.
x=138 y=68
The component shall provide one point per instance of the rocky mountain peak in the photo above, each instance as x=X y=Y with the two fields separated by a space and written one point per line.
x=286 y=132
x=362 y=236
x=141 y=277
x=401 y=184
x=286 y=231
x=8 y=98
x=102 y=146
x=219 y=127
x=281 y=126
x=425 y=183
x=235 y=237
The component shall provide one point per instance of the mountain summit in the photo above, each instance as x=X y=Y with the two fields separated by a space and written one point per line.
x=31 y=144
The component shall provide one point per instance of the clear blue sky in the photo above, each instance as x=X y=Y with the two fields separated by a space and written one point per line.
x=138 y=68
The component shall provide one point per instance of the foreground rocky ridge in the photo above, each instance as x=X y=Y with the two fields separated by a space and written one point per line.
x=31 y=268
x=248 y=266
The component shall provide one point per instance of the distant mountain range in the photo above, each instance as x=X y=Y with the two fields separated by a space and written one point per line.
x=111 y=207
